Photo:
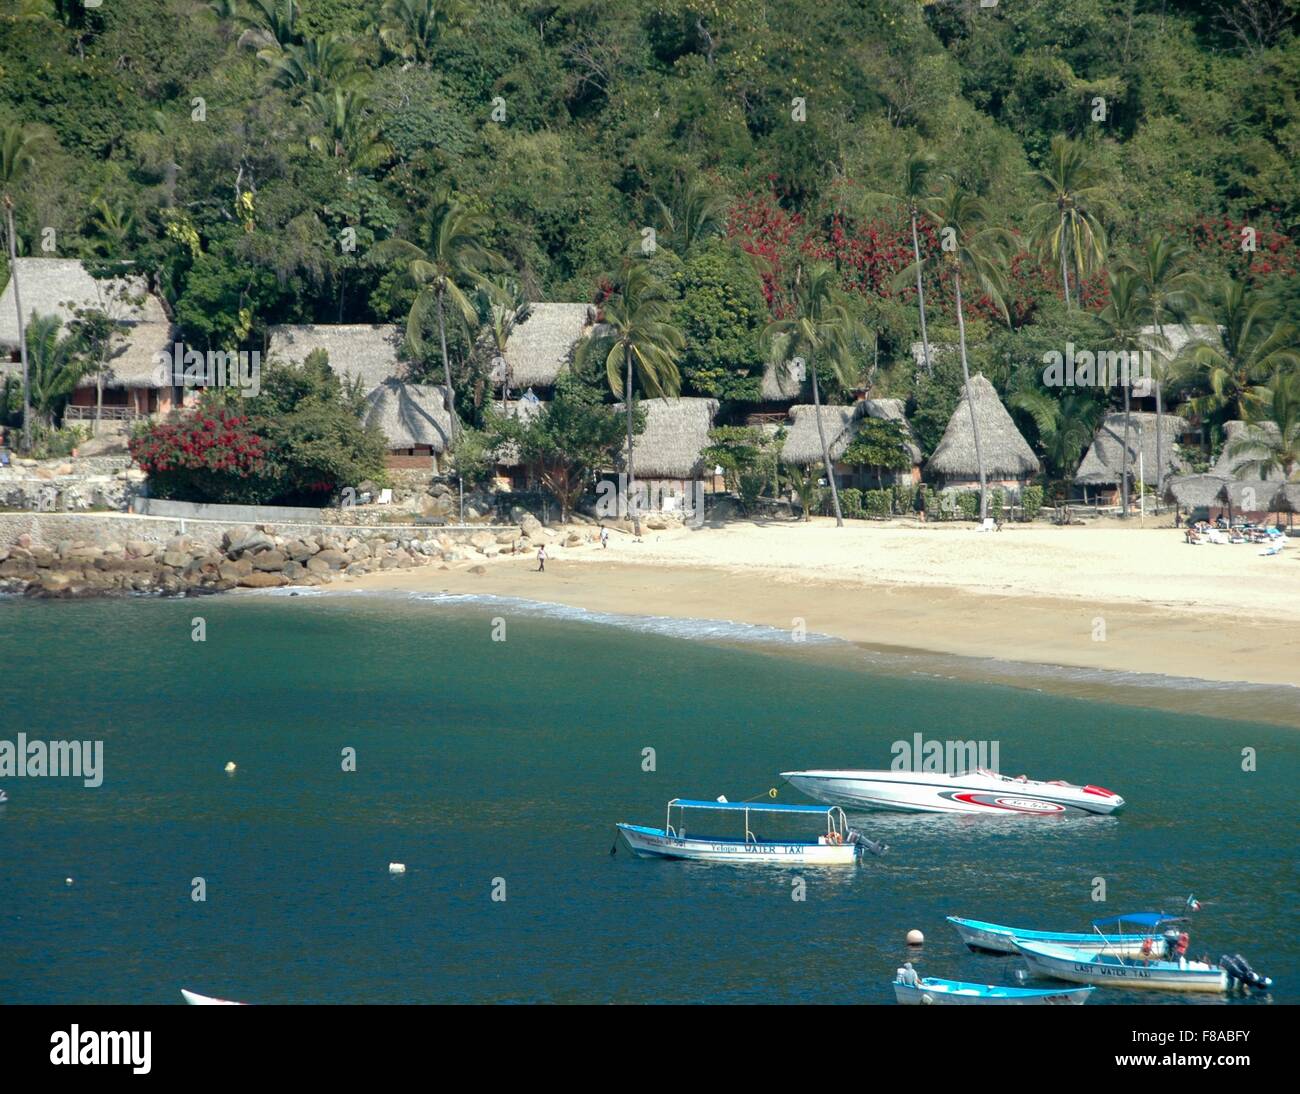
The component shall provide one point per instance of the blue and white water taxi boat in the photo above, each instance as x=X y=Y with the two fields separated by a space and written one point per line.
x=1113 y=935
x=936 y=992
x=835 y=844
x=1088 y=967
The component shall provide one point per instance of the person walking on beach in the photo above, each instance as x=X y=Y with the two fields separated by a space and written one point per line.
x=604 y=537
x=541 y=559
x=919 y=504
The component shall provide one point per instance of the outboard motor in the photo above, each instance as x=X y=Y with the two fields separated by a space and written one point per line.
x=1240 y=974
x=1171 y=940
x=871 y=845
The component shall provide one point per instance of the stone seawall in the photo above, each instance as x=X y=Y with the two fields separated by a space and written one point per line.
x=105 y=554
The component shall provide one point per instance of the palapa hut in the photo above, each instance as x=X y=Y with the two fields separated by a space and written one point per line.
x=542 y=345
x=1103 y=464
x=509 y=471
x=1240 y=492
x=134 y=386
x=415 y=420
x=667 y=456
x=841 y=424
x=365 y=352
x=1009 y=462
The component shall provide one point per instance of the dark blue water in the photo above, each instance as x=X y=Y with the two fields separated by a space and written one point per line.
x=480 y=760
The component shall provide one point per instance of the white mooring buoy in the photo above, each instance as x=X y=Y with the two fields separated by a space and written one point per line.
x=230 y=767
x=915 y=937
x=397 y=867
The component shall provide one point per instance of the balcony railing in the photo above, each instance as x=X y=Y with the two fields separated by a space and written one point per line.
x=106 y=414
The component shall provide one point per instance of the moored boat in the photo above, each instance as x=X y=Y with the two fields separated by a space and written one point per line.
x=937 y=992
x=1108 y=935
x=836 y=845
x=194 y=999
x=1088 y=967
x=977 y=791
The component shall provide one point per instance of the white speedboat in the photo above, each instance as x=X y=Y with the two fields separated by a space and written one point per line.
x=194 y=999
x=935 y=992
x=835 y=845
x=977 y=791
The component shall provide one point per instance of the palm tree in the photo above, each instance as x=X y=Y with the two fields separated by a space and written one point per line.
x=18 y=148
x=639 y=345
x=350 y=134
x=112 y=224
x=1065 y=226
x=1271 y=440
x=1254 y=344
x=452 y=253
x=970 y=247
x=411 y=29
x=696 y=211
x=1122 y=318
x=1168 y=289
x=915 y=189
x=1065 y=425
x=821 y=329
x=275 y=23
x=314 y=66
x=501 y=305
x=57 y=364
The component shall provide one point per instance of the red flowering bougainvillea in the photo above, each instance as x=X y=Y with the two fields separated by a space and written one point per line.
x=209 y=455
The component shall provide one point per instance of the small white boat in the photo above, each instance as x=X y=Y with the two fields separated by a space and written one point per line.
x=935 y=992
x=835 y=845
x=194 y=999
x=977 y=791
x=1108 y=935
x=1087 y=967
x=3 y=797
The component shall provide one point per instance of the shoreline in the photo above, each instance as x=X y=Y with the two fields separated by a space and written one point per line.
x=1151 y=651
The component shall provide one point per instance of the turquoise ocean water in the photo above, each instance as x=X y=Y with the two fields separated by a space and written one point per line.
x=501 y=766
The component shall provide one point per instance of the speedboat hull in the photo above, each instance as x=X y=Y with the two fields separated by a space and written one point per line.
x=935 y=992
x=194 y=999
x=1084 y=967
x=935 y=792
x=994 y=938
x=656 y=843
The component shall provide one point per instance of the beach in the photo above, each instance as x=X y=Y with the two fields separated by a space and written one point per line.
x=1104 y=597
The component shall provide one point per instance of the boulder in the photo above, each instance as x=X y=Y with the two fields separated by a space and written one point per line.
x=269 y=561
x=479 y=540
x=260 y=579
x=530 y=526
x=333 y=558
x=480 y=569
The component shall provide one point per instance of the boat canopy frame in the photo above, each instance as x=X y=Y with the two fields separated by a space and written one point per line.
x=837 y=824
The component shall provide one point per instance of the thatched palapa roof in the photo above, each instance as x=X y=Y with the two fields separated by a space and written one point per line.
x=779 y=383
x=1006 y=453
x=1229 y=467
x=409 y=415
x=1104 y=461
x=61 y=286
x=1196 y=491
x=676 y=432
x=525 y=410
x=363 y=351
x=543 y=344
x=840 y=424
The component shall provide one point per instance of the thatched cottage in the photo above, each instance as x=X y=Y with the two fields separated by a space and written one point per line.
x=841 y=424
x=1102 y=465
x=1009 y=462
x=133 y=384
x=415 y=420
x=509 y=470
x=1230 y=489
x=541 y=346
x=365 y=352
x=667 y=456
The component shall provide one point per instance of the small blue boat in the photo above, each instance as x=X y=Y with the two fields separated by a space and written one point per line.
x=935 y=992
x=1114 y=934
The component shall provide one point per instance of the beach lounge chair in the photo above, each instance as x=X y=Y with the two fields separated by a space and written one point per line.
x=987 y=526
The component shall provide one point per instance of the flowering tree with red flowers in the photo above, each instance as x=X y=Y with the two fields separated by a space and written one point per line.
x=210 y=455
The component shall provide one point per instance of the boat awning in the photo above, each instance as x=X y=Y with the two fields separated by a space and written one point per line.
x=1138 y=919
x=753 y=807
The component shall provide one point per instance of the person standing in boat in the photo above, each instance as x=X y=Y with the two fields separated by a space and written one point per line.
x=908 y=975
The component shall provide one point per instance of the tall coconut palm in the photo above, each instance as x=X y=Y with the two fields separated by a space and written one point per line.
x=1270 y=443
x=453 y=253
x=1066 y=425
x=314 y=66
x=18 y=149
x=974 y=250
x=1168 y=290
x=501 y=305
x=1255 y=343
x=350 y=134
x=917 y=173
x=1065 y=226
x=1123 y=318
x=639 y=346
x=820 y=330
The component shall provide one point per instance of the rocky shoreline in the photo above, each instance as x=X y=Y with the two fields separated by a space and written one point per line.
x=253 y=557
